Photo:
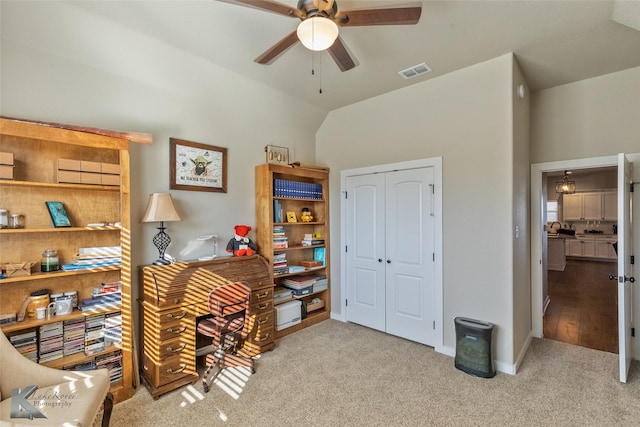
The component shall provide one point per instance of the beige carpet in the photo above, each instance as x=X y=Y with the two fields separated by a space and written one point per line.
x=342 y=374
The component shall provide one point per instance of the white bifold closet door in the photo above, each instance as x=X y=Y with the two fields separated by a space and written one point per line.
x=390 y=253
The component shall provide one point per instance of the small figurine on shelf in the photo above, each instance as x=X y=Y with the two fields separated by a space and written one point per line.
x=306 y=216
x=240 y=244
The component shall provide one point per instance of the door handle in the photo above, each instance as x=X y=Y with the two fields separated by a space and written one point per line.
x=622 y=279
x=379 y=259
x=388 y=261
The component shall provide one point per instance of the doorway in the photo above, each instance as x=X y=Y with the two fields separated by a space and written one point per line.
x=581 y=308
x=538 y=220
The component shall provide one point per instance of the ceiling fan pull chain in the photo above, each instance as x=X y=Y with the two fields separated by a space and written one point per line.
x=320 y=72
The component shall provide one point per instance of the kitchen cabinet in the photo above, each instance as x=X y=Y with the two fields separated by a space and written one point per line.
x=604 y=248
x=595 y=247
x=581 y=247
x=610 y=206
x=593 y=206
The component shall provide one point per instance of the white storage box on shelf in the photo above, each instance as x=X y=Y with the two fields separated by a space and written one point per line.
x=288 y=314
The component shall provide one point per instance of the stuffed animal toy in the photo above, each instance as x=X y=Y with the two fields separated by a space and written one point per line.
x=241 y=245
x=306 y=216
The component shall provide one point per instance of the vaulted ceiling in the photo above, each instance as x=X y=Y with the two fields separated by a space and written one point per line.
x=555 y=42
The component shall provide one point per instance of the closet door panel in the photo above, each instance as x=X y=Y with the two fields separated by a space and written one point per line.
x=410 y=267
x=364 y=229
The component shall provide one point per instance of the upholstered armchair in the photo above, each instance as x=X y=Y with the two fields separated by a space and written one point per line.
x=50 y=396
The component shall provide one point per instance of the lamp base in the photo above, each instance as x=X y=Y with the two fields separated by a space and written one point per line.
x=161 y=262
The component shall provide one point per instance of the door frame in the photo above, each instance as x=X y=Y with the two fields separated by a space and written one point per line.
x=537 y=215
x=436 y=163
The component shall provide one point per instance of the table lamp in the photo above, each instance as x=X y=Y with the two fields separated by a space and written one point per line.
x=160 y=208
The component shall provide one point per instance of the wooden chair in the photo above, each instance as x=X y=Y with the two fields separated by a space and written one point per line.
x=228 y=306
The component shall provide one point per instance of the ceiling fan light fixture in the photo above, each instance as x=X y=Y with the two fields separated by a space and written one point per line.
x=317 y=33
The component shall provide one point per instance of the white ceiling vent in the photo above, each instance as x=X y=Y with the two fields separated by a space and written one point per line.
x=415 y=71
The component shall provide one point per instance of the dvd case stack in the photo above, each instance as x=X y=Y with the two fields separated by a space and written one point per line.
x=73 y=336
x=113 y=328
x=85 y=365
x=113 y=362
x=51 y=342
x=280 y=265
x=93 y=334
x=26 y=343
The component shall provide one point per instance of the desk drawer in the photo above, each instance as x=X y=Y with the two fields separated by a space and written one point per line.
x=261 y=307
x=173 y=369
x=261 y=295
x=261 y=337
x=178 y=346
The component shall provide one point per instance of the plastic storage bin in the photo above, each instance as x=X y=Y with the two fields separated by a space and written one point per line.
x=474 y=347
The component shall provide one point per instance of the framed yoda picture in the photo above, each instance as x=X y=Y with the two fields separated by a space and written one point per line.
x=197 y=167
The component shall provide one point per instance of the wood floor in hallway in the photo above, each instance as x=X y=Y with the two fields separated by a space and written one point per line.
x=583 y=308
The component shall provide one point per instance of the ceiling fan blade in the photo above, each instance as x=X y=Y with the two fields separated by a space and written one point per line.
x=269 y=6
x=390 y=16
x=278 y=49
x=339 y=53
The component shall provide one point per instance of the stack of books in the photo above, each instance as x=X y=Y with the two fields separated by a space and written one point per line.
x=280 y=240
x=93 y=334
x=297 y=189
x=280 y=264
x=73 y=336
x=312 y=240
x=108 y=295
x=51 y=342
x=113 y=328
x=101 y=256
x=26 y=343
x=113 y=362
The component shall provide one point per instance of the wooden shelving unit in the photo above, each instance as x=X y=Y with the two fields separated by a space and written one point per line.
x=266 y=175
x=36 y=148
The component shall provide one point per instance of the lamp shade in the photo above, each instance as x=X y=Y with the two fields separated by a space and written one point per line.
x=317 y=33
x=160 y=208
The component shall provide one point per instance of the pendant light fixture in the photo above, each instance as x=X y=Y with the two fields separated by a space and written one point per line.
x=565 y=186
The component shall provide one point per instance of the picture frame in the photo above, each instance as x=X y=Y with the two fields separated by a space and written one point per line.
x=197 y=167
x=291 y=217
x=58 y=214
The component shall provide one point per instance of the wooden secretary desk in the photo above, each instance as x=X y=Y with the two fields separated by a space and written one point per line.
x=175 y=295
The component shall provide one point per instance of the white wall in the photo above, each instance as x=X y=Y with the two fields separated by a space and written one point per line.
x=590 y=118
x=62 y=64
x=521 y=307
x=465 y=118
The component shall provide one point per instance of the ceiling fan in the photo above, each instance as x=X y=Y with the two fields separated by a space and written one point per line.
x=320 y=20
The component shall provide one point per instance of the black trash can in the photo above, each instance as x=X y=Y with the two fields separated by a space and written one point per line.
x=474 y=347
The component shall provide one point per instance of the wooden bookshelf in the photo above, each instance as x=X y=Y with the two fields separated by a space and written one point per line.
x=37 y=148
